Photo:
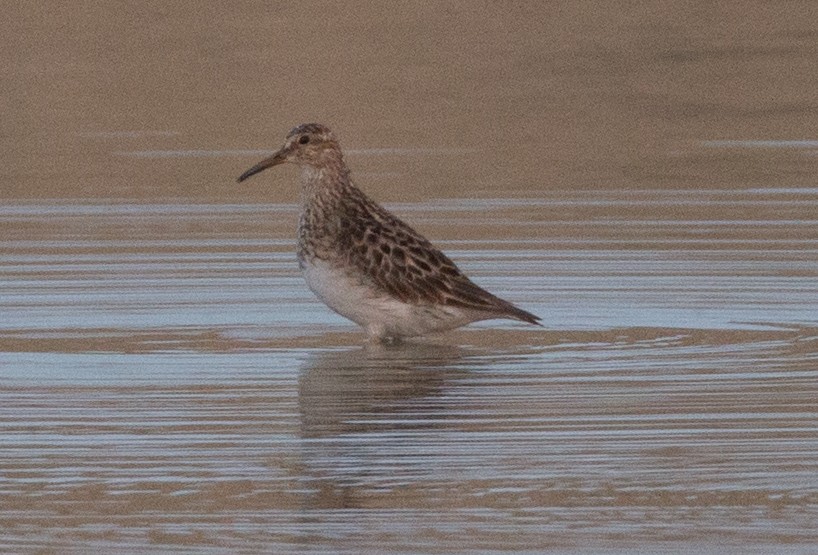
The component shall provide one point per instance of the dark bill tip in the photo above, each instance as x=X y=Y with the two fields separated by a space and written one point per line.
x=251 y=172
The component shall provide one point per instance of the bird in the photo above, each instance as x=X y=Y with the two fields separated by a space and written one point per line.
x=365 y=263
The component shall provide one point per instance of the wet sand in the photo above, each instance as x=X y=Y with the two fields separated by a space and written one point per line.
x=642 y=178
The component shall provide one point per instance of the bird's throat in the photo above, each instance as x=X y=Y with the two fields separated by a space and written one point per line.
x=326 y=181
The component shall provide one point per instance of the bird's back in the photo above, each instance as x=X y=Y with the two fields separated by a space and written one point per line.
x=366 y=244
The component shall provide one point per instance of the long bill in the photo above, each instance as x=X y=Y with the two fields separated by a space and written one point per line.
x=278 y=158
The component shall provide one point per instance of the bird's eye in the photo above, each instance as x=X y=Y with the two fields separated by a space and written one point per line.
x=304 y=139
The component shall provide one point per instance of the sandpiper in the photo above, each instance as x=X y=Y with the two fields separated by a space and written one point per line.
x=365 y=263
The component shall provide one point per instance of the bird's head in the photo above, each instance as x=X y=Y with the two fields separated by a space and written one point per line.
x=309 y=144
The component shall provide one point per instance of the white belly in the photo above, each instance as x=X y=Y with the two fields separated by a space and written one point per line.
x=380 y=314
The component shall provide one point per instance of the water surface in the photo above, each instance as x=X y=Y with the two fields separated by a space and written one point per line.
x=169 y=383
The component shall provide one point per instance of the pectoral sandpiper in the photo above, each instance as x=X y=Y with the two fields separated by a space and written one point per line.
x=364 y=262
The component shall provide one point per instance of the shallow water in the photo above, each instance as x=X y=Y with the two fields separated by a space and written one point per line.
x=169 y=383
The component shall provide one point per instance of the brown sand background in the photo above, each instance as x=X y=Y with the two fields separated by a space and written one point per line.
x=527 y=95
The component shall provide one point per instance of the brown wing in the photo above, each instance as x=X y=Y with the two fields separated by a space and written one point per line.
x=407 y=266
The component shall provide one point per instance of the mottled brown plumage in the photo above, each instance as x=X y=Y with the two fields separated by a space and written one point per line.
x=366 y=263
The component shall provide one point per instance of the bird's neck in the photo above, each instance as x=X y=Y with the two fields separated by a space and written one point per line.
x=326 y=180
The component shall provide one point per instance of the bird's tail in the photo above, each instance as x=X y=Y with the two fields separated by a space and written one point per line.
x=523 y=315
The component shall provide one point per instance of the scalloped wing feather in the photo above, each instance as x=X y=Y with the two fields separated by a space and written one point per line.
x=408 y=267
